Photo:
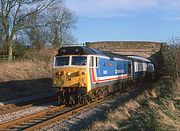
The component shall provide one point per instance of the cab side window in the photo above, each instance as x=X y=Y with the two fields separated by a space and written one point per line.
x=91 y=64
x=96 y=61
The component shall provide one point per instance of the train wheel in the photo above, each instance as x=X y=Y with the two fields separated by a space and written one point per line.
x=80 y=99
x=88 y=99
x=60 y=98
x=106 y=91
x=100 y=94
x=72 y=100
x=59 y=101
x=93 y=96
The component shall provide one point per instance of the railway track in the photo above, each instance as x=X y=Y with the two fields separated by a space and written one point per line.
x=49 y=116
x=9 y=108
x=58 y=113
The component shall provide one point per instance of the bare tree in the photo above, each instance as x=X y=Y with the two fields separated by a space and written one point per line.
x=53 y=26
x=175 y=45
x=171 y=60
x=69 y=39
x=61 y=21
x=1 y=32
x=15 y=14
x=35 y=34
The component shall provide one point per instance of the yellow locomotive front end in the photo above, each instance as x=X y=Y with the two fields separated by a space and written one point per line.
x=70 y=76
x=70 y=72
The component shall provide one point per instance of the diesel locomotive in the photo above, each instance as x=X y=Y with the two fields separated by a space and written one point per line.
x=84 y=74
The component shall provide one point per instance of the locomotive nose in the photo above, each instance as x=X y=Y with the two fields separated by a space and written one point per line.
x=79 y=73
x=68 y=73
x=70 y=77
x=61 y=77
x=60 y=73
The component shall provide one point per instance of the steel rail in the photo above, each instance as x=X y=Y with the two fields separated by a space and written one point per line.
x=49 y=116
x=29 y=117
x=9 y=108
x=68 y=114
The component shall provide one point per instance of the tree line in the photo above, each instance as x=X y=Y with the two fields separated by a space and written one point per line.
x=36 y=23
x=169 y=59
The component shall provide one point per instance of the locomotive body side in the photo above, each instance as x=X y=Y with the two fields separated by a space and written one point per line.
x=110 y=71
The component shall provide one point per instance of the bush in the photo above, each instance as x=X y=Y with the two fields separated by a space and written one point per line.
x=45 y=55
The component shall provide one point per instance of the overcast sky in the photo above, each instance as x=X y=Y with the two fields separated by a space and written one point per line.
x=145 y=20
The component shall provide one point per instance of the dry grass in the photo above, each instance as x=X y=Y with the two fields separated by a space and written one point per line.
x=24 y=71
x=36 y=64
x=119 y=118
x=28 y=77
x=176 y=89
x=147 y=111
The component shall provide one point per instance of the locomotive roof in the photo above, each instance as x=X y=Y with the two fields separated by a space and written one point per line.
x=75 y=50
x=81 y=50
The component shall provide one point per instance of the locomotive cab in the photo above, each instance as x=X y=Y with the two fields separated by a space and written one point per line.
x=70 y=77
x=70 y=71
x=71 y=68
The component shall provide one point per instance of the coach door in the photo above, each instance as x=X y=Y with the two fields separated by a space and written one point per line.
x=129 y=69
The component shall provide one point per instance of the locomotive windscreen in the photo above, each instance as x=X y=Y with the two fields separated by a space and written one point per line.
x=62 y=61
x=79 y=60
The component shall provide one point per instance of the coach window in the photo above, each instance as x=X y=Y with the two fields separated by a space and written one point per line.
x=140 y=67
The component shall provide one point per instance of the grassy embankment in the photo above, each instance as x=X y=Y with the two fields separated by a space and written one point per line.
x=155 y=109
x=27 y=77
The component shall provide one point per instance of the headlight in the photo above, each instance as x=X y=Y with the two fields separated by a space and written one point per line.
x=54 y=81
